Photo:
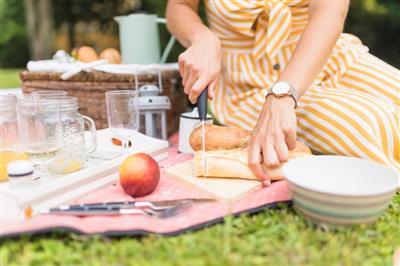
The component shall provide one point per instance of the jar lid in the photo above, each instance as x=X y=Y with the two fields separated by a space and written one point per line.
x=19 y=168
x=194 y=114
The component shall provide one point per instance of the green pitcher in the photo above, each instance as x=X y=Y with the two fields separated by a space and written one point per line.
x=139 y=39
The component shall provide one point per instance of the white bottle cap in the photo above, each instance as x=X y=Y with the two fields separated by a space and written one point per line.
x=19 y=168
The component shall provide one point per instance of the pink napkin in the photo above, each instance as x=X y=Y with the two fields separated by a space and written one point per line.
x=197 y=216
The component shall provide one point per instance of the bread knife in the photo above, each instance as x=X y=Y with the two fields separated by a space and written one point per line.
x=202 y=109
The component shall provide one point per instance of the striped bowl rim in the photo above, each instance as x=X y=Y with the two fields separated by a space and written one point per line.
x=318 y=218
x=342 y=201
x=353 y=212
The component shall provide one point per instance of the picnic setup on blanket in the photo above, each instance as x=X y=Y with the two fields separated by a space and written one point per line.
x=119 y=181
x=146 y=163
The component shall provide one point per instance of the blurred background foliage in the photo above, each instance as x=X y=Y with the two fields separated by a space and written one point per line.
x=78 y=22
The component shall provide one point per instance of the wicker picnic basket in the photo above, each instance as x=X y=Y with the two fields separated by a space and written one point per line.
x=89 y=88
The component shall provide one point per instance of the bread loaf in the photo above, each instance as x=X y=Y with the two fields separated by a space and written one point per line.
x=225 y=155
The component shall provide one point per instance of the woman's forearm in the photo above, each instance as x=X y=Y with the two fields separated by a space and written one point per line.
x=326 y=21
x=200 y=64
x=184 y=22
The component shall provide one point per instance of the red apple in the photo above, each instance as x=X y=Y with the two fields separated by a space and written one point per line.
x=139 y=174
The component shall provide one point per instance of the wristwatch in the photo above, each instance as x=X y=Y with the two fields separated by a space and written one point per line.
x=282 y=89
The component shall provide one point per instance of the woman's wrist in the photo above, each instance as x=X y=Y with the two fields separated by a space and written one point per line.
x=286 y=101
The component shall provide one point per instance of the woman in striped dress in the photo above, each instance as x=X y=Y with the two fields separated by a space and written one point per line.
x=256 y=51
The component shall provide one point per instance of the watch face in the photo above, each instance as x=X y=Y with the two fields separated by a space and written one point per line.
x=281 y=88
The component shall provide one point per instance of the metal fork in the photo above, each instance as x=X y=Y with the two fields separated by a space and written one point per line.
x=162 y=213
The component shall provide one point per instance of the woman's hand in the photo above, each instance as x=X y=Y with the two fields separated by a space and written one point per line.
x=200 y=65
x=273 y=136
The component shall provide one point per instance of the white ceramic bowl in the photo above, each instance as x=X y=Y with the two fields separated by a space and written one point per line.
x=340 y=190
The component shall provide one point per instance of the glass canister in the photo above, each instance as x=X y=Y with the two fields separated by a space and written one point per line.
x=74 y=149
x=9 y=140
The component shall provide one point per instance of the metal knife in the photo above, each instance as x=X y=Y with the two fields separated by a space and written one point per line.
x=113 y=210
x=155 y=205
x=202 y=109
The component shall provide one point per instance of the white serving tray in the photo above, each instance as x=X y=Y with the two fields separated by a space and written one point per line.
x=101 y=169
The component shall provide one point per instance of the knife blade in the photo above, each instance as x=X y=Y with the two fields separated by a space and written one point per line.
x=202 y=109
x=204 y=148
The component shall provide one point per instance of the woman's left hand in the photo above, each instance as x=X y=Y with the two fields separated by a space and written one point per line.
x=273 y=136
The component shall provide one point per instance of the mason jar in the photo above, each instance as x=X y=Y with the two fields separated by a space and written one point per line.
x=74 y=149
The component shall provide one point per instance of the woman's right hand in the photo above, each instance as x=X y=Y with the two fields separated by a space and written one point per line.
x=200 y=65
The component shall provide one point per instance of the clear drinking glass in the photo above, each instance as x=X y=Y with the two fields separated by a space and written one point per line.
x=123 y=115
x=9 y=140
x=40 y=131
x=47 y=93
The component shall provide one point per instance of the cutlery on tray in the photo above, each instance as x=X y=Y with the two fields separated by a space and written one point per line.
x=159 y=209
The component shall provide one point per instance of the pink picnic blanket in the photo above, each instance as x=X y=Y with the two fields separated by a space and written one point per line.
x=197 y=216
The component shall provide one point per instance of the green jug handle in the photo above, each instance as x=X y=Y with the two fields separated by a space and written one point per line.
x=170 y=43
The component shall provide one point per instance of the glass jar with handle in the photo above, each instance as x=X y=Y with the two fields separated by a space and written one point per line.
x=74 y=150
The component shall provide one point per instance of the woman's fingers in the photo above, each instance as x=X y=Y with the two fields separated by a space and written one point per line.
x=211 y=88
x=270 y=157
x=197 y=88
x=181 y=65
x=290 y=137
x=255 y=160
x=281 y=147
x=183 y=69
x=291 y=141
x=192 y=78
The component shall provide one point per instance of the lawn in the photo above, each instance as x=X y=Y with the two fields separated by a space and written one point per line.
x=272 y=237
x=9 y=78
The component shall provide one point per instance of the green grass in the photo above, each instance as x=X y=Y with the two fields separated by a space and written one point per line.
x=9 y=78
x=272 y=237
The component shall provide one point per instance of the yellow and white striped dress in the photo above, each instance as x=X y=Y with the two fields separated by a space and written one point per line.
x=353 y=106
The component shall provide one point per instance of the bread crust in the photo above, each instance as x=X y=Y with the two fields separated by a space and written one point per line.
x=228 y=138
x=220 y=138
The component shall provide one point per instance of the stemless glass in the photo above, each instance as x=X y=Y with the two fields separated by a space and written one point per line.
x=40 y=131
x=42 y=94
x=123 y=115
x=9 y=141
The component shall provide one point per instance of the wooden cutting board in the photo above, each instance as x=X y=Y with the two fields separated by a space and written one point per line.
x=225 y=189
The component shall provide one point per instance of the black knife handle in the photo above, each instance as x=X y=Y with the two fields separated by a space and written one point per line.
x=202 y=104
